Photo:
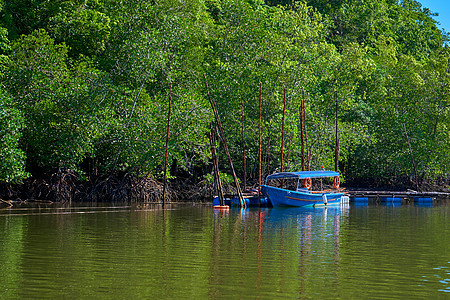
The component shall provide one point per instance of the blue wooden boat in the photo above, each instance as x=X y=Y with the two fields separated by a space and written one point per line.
x=297 y=190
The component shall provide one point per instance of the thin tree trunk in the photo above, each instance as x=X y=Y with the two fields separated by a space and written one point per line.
x=260 y=147
x=301 y=129
x=225 y=146
x=269 y=134
x=336 y=153
x=167 y=146
x=243 y=147
x=282 y=137
x=282 y=132
x=217 y=181
x=305 y=131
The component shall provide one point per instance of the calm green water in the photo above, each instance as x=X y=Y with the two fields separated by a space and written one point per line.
x=192 y=252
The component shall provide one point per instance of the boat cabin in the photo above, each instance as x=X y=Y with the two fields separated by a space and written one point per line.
x=305 y=181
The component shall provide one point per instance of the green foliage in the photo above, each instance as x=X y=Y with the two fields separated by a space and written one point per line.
x=59 y=101
x=90 y=82
x=23 y=16
x=4 y=42
x=12 y=158
x=225 y=178
x=84 y=29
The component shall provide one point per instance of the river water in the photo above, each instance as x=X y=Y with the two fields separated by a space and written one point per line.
x=192 y=252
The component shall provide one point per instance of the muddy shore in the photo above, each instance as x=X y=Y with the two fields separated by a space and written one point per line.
x=66 y=186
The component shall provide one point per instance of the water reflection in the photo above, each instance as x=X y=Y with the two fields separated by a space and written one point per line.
x=391 y=204
x=195 y=252
x=294 y=243
x=423 y=204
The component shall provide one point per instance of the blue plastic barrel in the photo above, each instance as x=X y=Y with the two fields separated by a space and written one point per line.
x=423 y=199
x=360 y=199
x=391 y=199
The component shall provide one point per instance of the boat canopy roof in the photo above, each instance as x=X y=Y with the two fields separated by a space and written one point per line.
x=303 y=174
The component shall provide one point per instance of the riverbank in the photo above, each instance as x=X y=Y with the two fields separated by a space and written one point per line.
x=67 y=186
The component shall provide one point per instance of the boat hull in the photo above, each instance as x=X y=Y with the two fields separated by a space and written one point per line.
x=282 y=197
x=249 y=201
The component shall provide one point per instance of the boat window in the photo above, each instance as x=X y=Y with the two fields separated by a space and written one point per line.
x=287 y=184
x=293 y=184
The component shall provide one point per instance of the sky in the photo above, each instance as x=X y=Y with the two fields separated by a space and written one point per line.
x=443 y=8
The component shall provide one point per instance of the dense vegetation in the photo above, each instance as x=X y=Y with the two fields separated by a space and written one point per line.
x=85 y=86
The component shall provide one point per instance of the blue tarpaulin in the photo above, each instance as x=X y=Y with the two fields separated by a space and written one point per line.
x=303 y=174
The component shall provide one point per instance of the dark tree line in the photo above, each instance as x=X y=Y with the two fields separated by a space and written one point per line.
x=84 y=86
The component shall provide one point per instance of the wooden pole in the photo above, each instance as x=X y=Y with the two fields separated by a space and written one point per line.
x=167 y=146
x=301 y=129
x=225 y=146
x=336 y=153
x=282 y=131
x=305 y=131
x=217 y=181
x=243 y=147
x=282 y=138
x=260 y=146
x=269 y=136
